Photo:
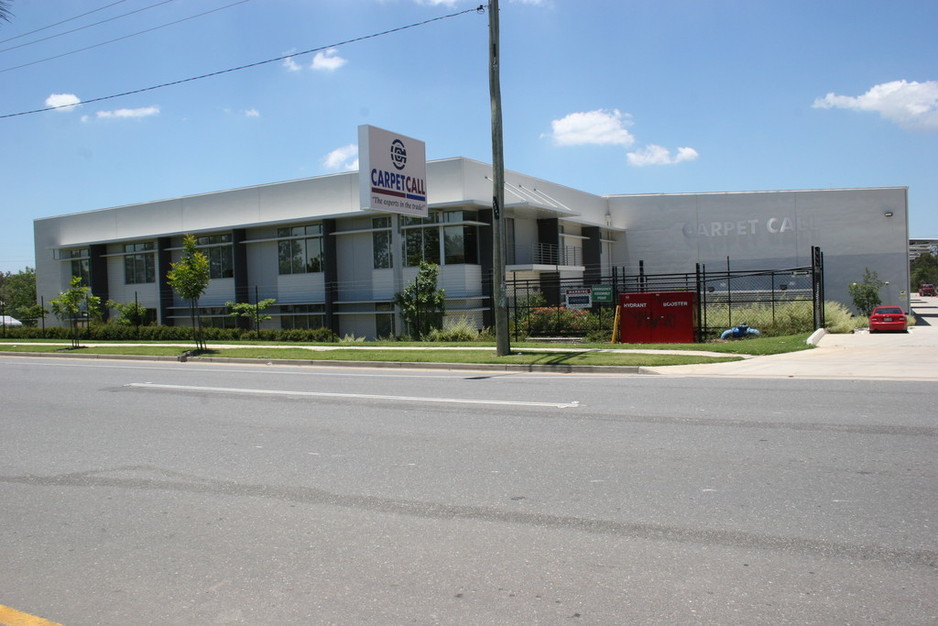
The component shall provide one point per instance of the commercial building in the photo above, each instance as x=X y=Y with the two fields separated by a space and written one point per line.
x=307 y=244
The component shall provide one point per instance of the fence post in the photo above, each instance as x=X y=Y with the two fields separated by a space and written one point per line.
x=772 y=278
x=729 y=295
x=817 y=286
x=700 y=297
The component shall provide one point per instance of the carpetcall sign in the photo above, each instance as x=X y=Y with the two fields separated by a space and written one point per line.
x=392 y=173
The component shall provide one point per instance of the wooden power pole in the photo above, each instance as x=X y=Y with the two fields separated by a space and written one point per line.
x=502 y=341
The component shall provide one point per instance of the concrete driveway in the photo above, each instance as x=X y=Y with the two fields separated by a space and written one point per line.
x=861 y=355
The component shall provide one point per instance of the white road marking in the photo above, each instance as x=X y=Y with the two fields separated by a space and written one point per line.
x=357 y=396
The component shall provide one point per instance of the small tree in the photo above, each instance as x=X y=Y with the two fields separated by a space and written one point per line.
x=189 y=279
x=31 y=314
x=129 y=314
x=923 y=269
x=422 y=304
x=73 y=304
x=865 y=294
x=254 y=312
x=18 y=293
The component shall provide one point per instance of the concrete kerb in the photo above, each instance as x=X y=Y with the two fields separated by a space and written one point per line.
x=816 y=336
x=484 y=367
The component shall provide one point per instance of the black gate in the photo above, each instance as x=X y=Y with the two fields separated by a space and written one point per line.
x=774 y=301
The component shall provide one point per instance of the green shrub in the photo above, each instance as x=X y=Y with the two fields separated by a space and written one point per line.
x=121 y=332
x=454 y=330
x=551 y=321
x=784 y=318
x=839 y=319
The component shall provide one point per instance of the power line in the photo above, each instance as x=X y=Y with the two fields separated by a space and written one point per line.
x=70 y=19
x=74 y=30
x=478 y=9
x=104 y=43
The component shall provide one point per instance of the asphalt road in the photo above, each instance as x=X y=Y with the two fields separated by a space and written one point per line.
x=188 y=493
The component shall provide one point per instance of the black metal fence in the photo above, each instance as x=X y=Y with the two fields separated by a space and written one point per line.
x=774 y=301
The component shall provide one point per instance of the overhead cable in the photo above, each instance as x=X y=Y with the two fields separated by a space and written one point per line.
x=70 y=19
x=75 y=30
x=148 y=30
x=479 y=9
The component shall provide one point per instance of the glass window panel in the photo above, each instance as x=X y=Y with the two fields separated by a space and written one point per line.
x=382 y=249
x=431 y=245
x=384 y=325
x=453 y=245
x=140 y=269
x=81 y=269
x=314 y=255
x=297 y=261
x=413 y=246
x=128 y=269
x=471 y=244
x=283 y=256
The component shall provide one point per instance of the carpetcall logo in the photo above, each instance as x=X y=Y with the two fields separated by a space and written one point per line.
x=751 y=227
x=398 y=185
x=398 y=154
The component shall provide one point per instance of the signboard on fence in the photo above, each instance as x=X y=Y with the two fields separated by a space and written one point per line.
x=578 y=298
x=602 y=293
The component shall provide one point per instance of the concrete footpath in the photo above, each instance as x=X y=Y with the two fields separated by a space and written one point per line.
x=911 y=356
x=861 y=355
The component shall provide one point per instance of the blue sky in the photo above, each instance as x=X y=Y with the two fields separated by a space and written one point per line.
x=607 y=96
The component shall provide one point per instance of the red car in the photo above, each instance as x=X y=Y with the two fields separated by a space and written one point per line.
x=927 y=289
x=888 y=318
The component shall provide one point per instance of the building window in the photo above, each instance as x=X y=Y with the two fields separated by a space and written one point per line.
x=300 y=249
x=139 y=263
x=460 y=244
x=384 y=320
x=80 y=264
x=218 y=249
x=216 y=317
x=509 y=243
x=424 y=238
x=381 y=241
x=422 y=244
x=302 y=316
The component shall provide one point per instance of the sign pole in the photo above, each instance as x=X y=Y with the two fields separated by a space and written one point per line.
x=502 y=340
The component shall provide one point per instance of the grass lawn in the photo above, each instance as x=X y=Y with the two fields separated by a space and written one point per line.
x=566 y=354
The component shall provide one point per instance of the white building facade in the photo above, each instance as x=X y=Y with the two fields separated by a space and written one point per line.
x=307 y=244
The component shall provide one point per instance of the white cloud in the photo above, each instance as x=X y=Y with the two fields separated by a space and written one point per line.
x=911 y=105
x=598 y=127
x=124 y=114
x=328 y=61
x=342 y=159
x=657 y=155
x=252 y=113
x=63 y=101
x=603 y=127
x=325 y=61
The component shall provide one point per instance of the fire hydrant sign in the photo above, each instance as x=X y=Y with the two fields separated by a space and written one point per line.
x=392 y=172
x=578 y=298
